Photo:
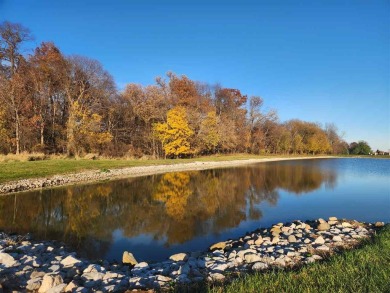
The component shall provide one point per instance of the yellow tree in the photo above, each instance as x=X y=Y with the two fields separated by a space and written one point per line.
x=208 y=133
x=175 y=134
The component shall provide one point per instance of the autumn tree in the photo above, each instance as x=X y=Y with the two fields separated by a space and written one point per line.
x=208 y=133
x=86 y=85
x=46 y=75
x=229 y=104
x=175 y=134
x=257 y=123
x=12 y=37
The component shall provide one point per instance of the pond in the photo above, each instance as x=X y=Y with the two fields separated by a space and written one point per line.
x=157 y=216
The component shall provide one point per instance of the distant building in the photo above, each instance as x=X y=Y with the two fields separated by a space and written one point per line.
x=381 y=153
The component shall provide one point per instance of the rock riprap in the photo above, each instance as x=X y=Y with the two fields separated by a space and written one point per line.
x=48 y=267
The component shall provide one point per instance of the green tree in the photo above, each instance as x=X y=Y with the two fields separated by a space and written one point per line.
x=175 y=134
x=359 y=148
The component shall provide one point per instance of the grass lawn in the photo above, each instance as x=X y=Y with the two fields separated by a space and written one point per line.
x=14 y=170
x=366 y=269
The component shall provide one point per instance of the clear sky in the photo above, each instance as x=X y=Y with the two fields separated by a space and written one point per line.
x=321 y=61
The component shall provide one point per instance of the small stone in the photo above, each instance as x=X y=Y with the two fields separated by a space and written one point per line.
x=275 y=240
x=163 y=278
x=142 y=265
x=337 y=238
x=259 y=240
x=346 y=225
x=69 y=261
x=49 y=281
x=251 y=258
x=332 y=219
x=320 y=220
x=31 y=286
x=259 y=266
x=275 y=231
x=219 y=267
x=219 y=245
x=323 y=248
x=292 y=239
x=310 y=260
x=128 y=258
x=217 y=276
x=379 y=224
x=179 y=257
x=57 y=289
x=280 y=262
x=319 y=240
x=323 y=226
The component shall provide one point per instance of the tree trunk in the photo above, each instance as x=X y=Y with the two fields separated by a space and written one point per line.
x=17 y=132
x=70 y=126
x=42 y=126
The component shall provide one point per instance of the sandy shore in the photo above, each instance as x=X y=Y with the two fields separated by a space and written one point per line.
x=97 y=175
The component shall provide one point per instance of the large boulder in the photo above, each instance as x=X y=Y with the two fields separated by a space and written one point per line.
x=7 y=260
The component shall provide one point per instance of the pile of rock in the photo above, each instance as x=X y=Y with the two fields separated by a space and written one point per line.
x=47 y=267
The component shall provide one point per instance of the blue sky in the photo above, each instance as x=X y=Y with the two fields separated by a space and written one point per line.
x=320 y=61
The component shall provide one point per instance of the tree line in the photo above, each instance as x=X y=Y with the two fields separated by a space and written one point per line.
x=54 y=103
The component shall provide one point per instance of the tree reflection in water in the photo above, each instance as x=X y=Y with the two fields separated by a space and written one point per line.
x=173 y=207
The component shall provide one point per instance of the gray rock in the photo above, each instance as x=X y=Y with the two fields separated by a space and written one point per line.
x=217 y=277
x=219 y=267
x=259 y=266
x=251 y=258
x=49 y=281
x=70 y=261
x=95 y=276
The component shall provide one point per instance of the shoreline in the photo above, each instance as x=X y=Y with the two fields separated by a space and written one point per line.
x=92 y=176
x=47 y=265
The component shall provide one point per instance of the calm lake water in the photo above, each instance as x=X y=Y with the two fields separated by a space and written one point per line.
x=156 y=216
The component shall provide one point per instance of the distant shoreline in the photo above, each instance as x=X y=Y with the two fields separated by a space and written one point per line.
x=137 y=171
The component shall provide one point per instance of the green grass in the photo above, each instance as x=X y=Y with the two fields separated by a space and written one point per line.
x=366 y=269
x=34 y=169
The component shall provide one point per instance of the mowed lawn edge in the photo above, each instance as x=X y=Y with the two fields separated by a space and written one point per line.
x=362 y=269
x=18 y=170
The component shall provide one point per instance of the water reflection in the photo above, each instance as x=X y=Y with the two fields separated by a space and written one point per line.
x=172 y=208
